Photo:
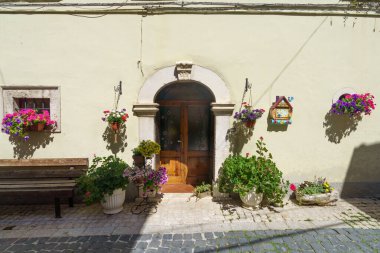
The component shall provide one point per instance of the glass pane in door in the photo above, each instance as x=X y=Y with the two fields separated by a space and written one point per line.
x=198 y=127
x=170 y=127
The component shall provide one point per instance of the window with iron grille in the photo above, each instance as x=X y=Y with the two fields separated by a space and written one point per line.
x=38 y=104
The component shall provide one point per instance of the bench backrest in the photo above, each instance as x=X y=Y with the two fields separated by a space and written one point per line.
x=42 y=168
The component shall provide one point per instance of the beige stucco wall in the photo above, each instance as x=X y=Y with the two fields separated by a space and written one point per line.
x=310 y=58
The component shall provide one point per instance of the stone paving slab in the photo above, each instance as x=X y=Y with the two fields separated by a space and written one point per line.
x=313 y=240
x=179 y=213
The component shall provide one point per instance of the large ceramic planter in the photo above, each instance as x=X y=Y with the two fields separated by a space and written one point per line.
x=316 y=199
x=252 y=199
x=113 y=203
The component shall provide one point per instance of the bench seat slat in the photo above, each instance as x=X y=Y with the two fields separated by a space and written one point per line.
x=18 y=173
x=66 y=191
x=44 y=162
x=32 y=181
x=37 y=185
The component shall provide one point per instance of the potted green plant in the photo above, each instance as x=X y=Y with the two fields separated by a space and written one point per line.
x=202 y=190
x=253 y=177
x=147 y=148
x=318 y=192
x=104 y=182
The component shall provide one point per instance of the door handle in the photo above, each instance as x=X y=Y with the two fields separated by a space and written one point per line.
x=179 y=141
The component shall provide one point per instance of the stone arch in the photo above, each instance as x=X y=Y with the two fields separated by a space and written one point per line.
x=168 y=75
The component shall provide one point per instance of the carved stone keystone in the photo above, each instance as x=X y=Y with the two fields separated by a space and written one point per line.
x=183 y=70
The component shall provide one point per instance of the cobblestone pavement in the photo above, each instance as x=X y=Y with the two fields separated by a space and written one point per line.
x=323 y=240
x=352 y=224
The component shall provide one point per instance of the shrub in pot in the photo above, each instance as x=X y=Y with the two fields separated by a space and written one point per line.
x=251 y=175
x=147 y=148
x=202 y=190
x=104 y=182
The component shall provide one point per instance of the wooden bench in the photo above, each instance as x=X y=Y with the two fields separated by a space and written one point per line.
x=53 y=178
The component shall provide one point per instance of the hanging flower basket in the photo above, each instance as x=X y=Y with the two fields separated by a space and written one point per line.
x=113 y=117
x=353 y=104
x=248 y=115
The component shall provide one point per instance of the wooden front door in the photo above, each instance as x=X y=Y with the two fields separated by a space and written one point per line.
x=185 y=138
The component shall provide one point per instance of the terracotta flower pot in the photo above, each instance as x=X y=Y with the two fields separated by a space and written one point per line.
x=115 y=126
x=39 y=127
x=250 y=124
x=138 y=160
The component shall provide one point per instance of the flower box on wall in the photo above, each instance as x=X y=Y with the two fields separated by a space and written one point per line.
x=281 y=111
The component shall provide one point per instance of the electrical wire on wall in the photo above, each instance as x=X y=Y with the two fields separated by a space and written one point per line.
x=139 y=62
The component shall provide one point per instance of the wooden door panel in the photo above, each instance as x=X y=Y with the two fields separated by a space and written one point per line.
x=198 y=170
x=185 y=140
x=177 y=171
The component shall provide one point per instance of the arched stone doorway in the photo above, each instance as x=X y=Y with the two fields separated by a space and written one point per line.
x=185 y=133
x=221 y=108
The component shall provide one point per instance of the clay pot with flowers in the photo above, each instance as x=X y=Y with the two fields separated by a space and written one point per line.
x=353 y=105
x=19 y=123
x=115 y=119
x=248 y=115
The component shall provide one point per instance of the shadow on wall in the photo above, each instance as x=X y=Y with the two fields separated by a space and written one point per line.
x=238 y=136
x=25 y=149
x=363 y=175
x=340 y=126
x=116 y=142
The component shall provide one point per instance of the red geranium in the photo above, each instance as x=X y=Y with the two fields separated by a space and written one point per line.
x=293 y=187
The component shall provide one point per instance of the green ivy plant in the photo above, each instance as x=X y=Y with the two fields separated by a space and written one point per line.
x=241 y=174
x=147 y=148
x=103 y=177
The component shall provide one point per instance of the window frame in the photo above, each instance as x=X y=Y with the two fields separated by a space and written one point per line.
x=8 y=103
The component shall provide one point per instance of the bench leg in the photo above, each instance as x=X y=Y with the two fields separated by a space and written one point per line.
x=71 y=202
x=57 y=206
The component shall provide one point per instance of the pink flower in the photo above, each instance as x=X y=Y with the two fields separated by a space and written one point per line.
x=293 y=187
x=87 y=194
x=247 y=154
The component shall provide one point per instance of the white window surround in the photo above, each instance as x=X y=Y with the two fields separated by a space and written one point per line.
x=8 y=93
x=222 y=108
